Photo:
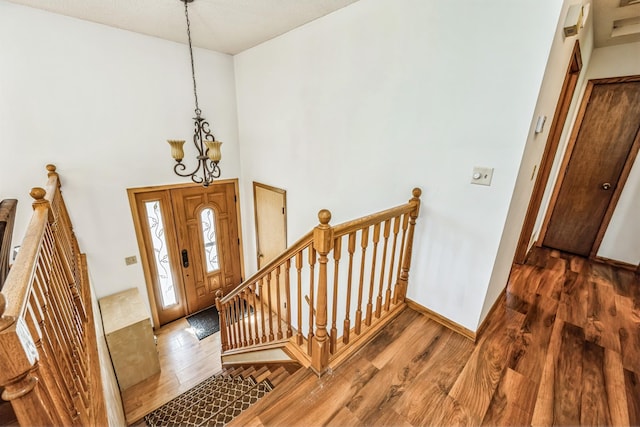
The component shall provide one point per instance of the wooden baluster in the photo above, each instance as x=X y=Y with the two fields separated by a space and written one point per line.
x=387 y=227
x=396 y=229
x=241 y=323
x=233 y=340
x=287 y=280
x=50 y=329
x=322 y=243
x=264 y=336
x=71 y=320
x=58 y=330
x=405 y=223
x=406 y=261
x=312 y=286
x=256 y=339
x=48 y=365
x=270 y=307
x=364 y=241
x=238 y=321
x=224 y=341
x=376 y=239
x=237 y=342
x=300 y=337
x=247 y=313
x=347 y=321
x=337 y=245
x=278 y=303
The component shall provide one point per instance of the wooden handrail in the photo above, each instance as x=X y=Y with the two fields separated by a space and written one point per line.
x=259 y=311
x=48 y=347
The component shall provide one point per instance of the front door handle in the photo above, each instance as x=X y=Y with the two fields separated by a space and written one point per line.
x=185 y=258
x=606 y=186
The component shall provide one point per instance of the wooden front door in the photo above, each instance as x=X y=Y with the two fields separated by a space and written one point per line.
x=208 y=242
x=596 y=167
x=189 y=244
x=271 y=221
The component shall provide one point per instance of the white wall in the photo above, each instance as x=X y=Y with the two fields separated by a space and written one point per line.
x=621 y=242
x=100 y=103
x=558 y=62
x=353 y=110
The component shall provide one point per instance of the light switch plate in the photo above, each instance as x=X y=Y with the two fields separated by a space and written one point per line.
x=130 y=260
x=481 y=176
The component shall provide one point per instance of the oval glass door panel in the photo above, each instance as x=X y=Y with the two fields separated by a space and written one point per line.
x=208 y=224
x=161 y=257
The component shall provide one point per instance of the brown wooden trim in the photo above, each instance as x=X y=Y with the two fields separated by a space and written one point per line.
x=438 y=318
x=624 y=175
x=565 y=160
x=550 y=150
x=502 y=299
x=616 y=263
x=236 y=187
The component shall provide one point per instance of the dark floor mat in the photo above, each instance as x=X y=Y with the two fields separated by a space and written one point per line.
x=205 y=322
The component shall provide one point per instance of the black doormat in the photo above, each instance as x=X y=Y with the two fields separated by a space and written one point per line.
x=205 y=322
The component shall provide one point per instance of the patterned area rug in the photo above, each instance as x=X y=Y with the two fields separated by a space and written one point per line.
x=205 y=322
x=213 y=402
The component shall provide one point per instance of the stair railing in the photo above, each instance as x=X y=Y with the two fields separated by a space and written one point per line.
x=358 y=271
x=48 y=349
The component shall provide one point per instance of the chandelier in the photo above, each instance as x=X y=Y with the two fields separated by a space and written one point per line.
x=209 y=154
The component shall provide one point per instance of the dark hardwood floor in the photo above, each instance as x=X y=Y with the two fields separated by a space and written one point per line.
x=561 y=348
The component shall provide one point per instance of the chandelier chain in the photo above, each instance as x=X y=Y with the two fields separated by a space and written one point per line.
x=193 y=72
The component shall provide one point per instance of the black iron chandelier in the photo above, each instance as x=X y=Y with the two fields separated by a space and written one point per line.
x=209 y=154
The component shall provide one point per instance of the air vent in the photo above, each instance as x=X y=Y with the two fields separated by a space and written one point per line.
x=627 y=26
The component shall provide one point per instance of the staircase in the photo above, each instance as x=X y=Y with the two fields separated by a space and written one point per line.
x=221 y=398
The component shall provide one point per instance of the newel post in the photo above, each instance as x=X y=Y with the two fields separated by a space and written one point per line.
x=322 y=243
x=223 y=322
x=406 y=261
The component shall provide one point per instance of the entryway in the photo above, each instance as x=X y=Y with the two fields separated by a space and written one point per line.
x=189 y=239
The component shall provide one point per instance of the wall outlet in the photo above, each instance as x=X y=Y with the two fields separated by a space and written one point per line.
x=130 y=260
x=482 y=176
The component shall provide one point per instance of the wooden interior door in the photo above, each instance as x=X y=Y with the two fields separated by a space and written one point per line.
x=208 y=241
x=270 y=206
x=605 y=145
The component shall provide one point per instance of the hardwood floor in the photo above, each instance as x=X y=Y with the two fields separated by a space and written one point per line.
x=184 y=363
x=562 y=348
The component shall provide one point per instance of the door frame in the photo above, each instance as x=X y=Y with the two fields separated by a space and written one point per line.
x=138 y=223
x=550 y=152
x=255 y=214
x=567 y=157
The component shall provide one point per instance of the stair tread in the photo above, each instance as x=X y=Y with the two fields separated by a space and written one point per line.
x=278 y=392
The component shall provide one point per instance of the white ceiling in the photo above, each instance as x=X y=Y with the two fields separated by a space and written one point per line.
x=228 y=26
x=231 y=26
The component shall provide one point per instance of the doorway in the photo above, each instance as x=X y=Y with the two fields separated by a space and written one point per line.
x=597 y=162
x=546 y=162
x=270 y=204
x=190 y=246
